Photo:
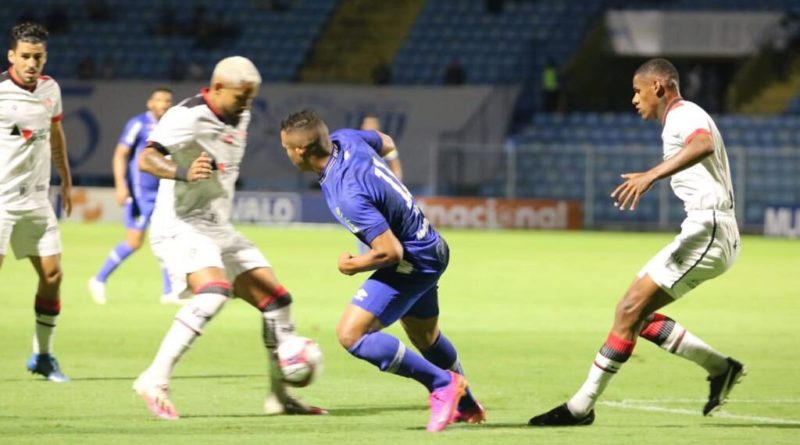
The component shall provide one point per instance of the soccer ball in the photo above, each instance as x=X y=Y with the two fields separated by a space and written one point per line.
x=300 y=360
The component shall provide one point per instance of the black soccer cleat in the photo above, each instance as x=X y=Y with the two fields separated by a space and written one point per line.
x=722 y=384
x=561 y=416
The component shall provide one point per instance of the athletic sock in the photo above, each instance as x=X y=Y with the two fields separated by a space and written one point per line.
x=390 y=355
x=443 y=354
x=608 y=362
x=46 y=317
x=114 y=259
x=670 y=336
x=187 y=326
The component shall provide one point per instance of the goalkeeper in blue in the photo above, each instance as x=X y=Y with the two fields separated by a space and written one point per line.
x=407 y=256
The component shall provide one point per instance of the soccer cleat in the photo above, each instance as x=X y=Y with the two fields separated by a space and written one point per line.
x=156 y=396
x=475 y=414
x=561 y=416
x=290 y=406
x=444 y=402
x=46 y=365
x=97 y=289
x=722 y=384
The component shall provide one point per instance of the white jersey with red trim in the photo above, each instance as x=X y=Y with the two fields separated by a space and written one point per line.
x=706 y=185
x=185 y=131
x=25 y=119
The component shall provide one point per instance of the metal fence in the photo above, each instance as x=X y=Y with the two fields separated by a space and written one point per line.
x=761 y=177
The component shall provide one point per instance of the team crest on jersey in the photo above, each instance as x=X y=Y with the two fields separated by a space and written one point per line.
x=49 y=104
x=26 y=134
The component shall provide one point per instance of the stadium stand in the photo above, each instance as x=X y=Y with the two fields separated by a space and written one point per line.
x=276 y=40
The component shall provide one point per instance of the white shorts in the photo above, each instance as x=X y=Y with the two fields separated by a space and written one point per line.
x=707 y=246
x=191 y=250
x=30 y=232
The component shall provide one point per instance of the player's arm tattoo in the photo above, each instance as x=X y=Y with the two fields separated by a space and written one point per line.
x=58 y=151
x=152 y=161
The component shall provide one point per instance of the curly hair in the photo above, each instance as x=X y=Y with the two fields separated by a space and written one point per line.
x=28 y=32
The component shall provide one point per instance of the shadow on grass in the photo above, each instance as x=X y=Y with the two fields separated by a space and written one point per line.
x=333 y=412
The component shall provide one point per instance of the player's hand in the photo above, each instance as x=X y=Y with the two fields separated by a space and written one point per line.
x=344 y=264
x=628 y=194
x=200 y=168
x=122 y=195
x=66 y=199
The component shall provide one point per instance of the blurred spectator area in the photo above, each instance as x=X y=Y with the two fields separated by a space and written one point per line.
x=141 y=38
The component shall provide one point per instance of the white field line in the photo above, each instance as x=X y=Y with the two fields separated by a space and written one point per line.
x=777 y=401
x=696 y=413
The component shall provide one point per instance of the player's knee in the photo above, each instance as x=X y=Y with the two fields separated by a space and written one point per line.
x=347 y=338
x=51 y=279
x=134 y=243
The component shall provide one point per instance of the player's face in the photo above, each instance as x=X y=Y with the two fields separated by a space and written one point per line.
x=645 y=96
x=27 y=60
x=159 y=103
x=233 y=100
x=294 y=142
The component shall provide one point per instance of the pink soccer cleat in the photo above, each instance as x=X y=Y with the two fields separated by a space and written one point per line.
x=473 y=415
x=156 y=396
x=444 y=402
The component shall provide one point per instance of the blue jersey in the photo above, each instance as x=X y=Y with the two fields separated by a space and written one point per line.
x=366 y=197
x=143 y=186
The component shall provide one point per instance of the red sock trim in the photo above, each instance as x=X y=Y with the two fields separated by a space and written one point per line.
x=619 y=344
x=280 y=292
x=46 y=306
x=652 y=328
x=204 y=286
x=265 y=302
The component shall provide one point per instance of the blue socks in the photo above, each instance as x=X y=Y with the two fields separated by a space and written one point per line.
x=390 y=355
x=115 y=258
x=443 y=354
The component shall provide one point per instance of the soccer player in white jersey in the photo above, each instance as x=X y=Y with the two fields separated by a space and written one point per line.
x=196 y=149
x=31 y=137
x=708 y=245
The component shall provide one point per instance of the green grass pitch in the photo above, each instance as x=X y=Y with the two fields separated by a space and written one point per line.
x=526 y=310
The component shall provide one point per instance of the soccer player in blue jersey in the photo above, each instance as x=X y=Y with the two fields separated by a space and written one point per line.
x=407 y=257
x=136 y=190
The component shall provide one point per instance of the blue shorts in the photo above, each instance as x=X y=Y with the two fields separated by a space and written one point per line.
x=138 y=213
x=390 y=295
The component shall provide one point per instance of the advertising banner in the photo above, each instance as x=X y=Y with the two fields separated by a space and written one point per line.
x=782 y=222
x=491 y=213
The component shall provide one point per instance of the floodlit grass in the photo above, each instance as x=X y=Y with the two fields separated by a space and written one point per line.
x=526 y=310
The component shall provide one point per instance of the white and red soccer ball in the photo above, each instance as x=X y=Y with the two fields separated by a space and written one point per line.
x=300 y=361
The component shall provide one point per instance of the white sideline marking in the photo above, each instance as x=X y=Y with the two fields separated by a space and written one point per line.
x=788 y=401
x=696 y=413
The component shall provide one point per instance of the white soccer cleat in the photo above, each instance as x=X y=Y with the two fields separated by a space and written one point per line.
x=97 y=290
x=156 y=396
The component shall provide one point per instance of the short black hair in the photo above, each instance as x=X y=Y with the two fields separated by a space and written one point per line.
x=160 y=90
x=301 y=120
x=662 y=68
x=28 y=32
